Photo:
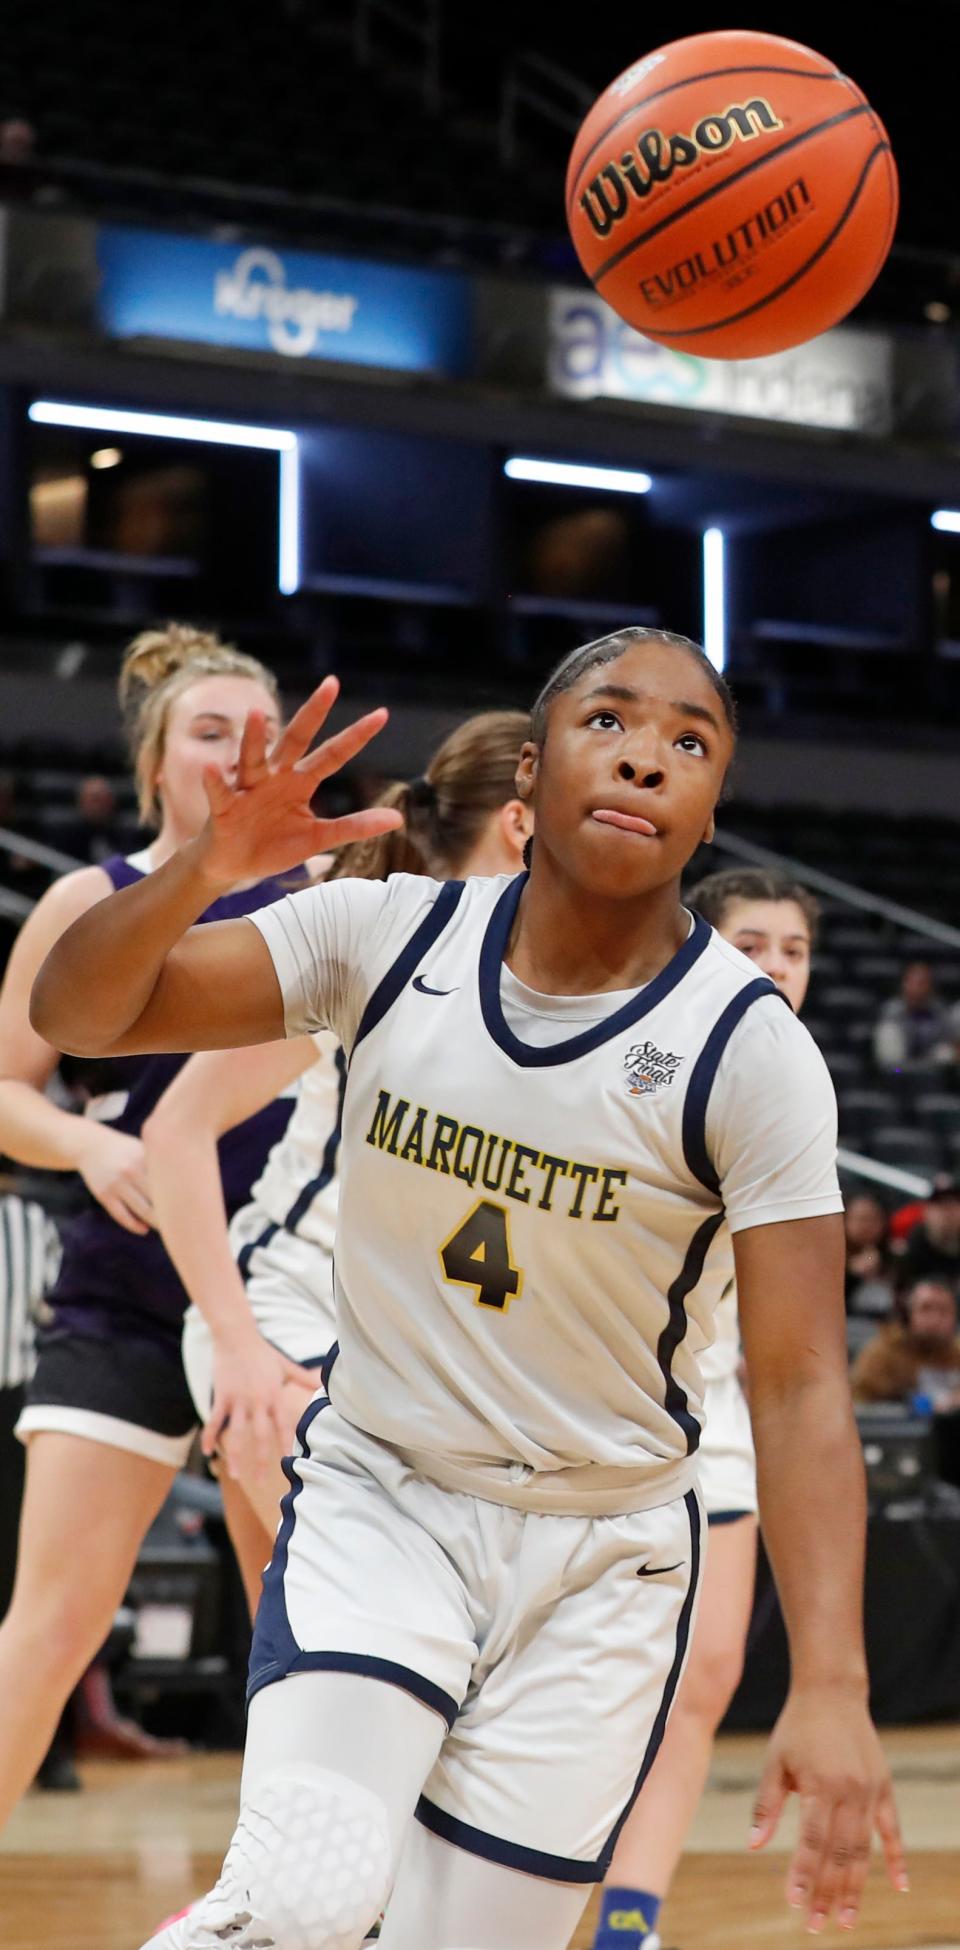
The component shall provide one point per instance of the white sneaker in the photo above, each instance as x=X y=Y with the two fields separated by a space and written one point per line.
x=174 y=1935
x=183 y=1932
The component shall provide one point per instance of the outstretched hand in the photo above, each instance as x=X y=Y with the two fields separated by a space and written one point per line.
x=250 y=1418
x=825 y=1749
x=261 y=823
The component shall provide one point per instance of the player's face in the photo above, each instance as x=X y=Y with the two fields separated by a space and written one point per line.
x=775 y=935
x=630 y=771
x=933 y=1314
x=204 y=727
x=864 y=1222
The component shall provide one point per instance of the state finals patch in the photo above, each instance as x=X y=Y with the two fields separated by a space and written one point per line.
x=649 y=1069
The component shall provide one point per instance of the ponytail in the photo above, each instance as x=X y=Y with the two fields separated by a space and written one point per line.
x=469 y=777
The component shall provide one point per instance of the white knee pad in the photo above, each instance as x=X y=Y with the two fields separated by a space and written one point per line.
x=308 y=1867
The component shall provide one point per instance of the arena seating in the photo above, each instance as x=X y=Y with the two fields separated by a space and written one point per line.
x=196 y=98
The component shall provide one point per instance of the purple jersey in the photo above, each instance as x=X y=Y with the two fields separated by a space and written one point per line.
x=113 y=1281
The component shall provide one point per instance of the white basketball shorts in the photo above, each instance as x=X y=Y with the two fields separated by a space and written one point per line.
x=726 y=1459
x=552 y=1646
x=289 y=1284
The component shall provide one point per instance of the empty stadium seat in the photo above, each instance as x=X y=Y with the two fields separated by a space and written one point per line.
x=850 y=941
x=883 y=970
x=866 y=1108
x=845 y=1066
x=843 y=1002
x=938 y=1110
x=906 y=1146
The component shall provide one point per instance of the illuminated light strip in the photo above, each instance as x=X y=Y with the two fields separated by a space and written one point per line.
x=288 y=570
x=947 y=520
x=214 y=433
x=715 y=597
x=562 y=473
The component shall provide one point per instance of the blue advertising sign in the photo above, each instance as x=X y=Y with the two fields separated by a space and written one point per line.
x=298 y=303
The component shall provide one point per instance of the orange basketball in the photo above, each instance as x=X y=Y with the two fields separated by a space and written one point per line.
x=732 y=194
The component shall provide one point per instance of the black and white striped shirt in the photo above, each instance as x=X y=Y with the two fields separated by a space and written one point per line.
x=29 y=1256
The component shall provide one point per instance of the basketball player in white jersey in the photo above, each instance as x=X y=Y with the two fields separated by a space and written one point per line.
x=773 y=921
x=573 y=1113
x=264 y=1291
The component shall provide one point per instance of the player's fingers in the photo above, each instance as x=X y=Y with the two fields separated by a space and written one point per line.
x=236 y=1445
x=264 y=1441
x=303 y=1377
x=768 y=1806
x=847 y=1825
x=138 y=1201
x=213 y=1427
x=803 y=1875
x=252 y=756
x=138 y=1174
x=887 y=1823
x=337 y=751
x=297 y=737
x=219 y=793
x=360 y=825
x=856 y=1838
x=119 y=1210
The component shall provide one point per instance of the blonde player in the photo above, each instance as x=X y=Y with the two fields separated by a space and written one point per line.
x=773 y=921
x=573 y=1112
x=268 y=1286
x=108 y=1418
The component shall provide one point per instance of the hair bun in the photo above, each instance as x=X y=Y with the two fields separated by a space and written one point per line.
x=421 y=795
x=154 y=655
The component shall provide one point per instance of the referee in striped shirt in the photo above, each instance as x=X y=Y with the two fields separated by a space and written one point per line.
x=29 y=1256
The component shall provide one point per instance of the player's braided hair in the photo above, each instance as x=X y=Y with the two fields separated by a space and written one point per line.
x=605 y=650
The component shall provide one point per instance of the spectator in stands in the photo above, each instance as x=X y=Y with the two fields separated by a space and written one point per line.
x=916 y=1354
x=18 y=139
x=932 y=1250
x=90 y=836
x=901 y=1222
x=913 y=1030
x=868 y=1280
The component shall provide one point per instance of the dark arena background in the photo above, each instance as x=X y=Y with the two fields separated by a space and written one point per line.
x=294 y=346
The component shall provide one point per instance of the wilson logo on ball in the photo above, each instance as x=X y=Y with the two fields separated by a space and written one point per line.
x=655 y=157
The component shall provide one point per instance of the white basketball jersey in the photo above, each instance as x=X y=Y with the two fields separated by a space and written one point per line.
x=531 y=1240
x=298 y=1187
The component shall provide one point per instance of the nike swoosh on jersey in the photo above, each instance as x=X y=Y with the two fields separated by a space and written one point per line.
x=657 y=1570
x=423 y=988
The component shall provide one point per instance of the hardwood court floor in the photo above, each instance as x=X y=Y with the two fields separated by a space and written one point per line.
x=98 y=1871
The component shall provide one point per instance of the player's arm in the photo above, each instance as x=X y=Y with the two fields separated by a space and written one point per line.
x=211 y=1094
x=134 y=974
x=771 y=1131
x=33 y=1129
x=813 y=1513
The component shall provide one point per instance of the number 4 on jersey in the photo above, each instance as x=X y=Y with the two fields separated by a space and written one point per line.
x=478 y=1255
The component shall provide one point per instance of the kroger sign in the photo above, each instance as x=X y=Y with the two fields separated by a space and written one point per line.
x=296 y=303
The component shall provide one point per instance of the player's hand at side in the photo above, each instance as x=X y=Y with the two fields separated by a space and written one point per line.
x=825 y=1749
x=113 y=1167
x=249 y=1420
x=260 y=822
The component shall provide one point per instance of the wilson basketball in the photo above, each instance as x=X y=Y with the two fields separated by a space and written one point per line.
x=732 y=194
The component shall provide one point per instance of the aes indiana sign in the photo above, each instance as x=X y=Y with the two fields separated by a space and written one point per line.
x=300 y=304
x=843 y=380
